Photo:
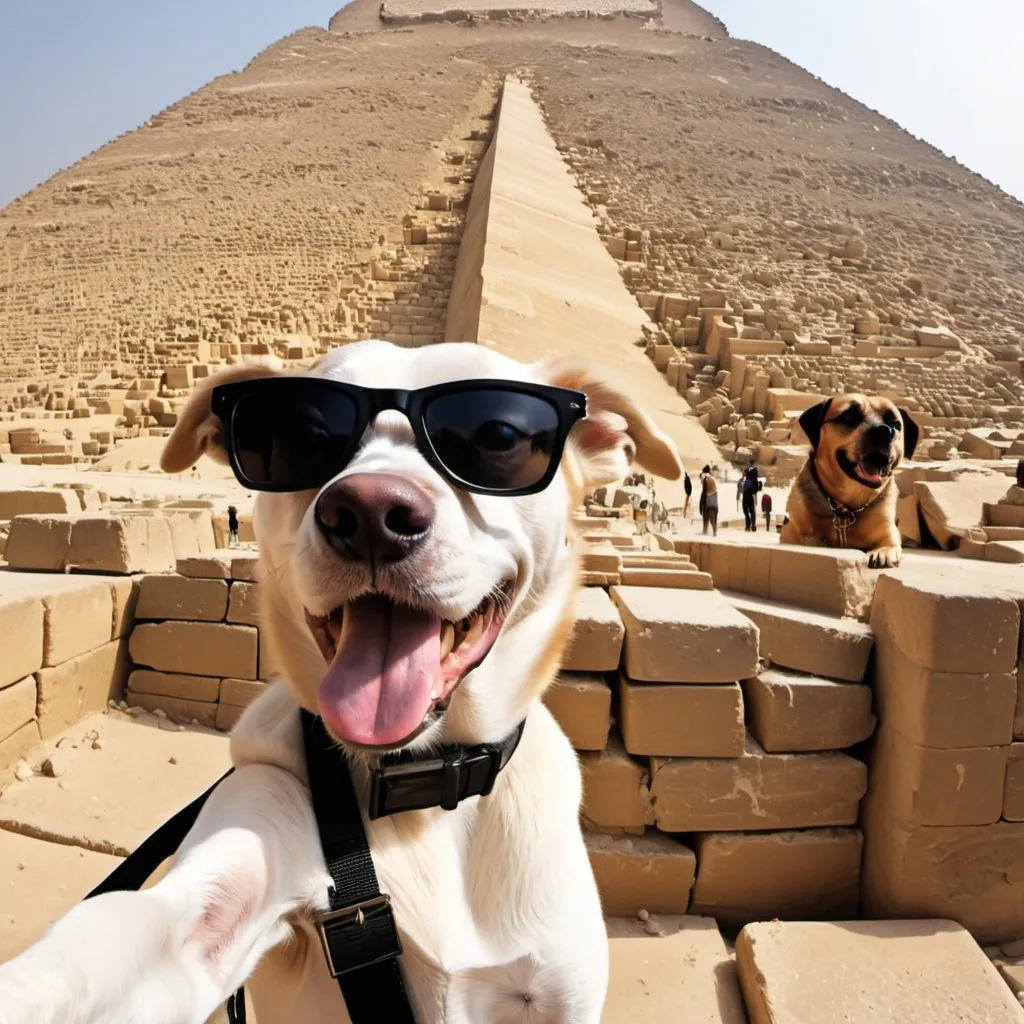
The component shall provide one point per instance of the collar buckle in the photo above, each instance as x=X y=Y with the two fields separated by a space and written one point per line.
x=359 y=935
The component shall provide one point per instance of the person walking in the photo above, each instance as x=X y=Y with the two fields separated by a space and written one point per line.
x=766 y=508
x=688 y=489
x=232 y=526
x=709 y=500
x=739 y=490
x=751 y=483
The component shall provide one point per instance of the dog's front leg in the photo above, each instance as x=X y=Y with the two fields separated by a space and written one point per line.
x=171 y=954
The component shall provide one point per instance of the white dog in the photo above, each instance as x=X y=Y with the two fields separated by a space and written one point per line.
x=407 y=611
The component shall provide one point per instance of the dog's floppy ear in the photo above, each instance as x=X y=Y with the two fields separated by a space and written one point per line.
x=616 y=431
x=811 y=421
x=911 y=432
x=198 y=431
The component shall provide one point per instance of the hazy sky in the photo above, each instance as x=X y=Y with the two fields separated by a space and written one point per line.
x=75 y=73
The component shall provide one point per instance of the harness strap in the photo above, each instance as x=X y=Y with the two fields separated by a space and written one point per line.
x=358 y=933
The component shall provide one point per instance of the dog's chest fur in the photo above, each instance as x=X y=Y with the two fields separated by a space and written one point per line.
x=484 y=895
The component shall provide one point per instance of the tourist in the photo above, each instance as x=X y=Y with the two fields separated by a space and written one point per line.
x=766 y=508
x=709 y=500
x=751 y=484
x=688 y=489
x=232 y=526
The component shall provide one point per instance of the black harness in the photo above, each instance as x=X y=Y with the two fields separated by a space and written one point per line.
x=358 y=932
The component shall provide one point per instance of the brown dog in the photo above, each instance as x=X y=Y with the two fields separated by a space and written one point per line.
x=845 y=496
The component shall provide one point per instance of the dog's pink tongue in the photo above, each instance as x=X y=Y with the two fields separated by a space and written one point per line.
x=377 y=689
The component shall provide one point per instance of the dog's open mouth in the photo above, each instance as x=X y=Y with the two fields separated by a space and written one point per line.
x=872 y=470
x=392 y=667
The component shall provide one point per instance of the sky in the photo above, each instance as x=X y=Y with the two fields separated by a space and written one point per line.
x=76 y=73
x=950 y=72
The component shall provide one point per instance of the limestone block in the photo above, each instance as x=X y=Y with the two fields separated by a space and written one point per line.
x=77 y=619
x=177 y=709
x=39 y=541
x=647 y=576
x=1003 y=515
x=676 y=971
x=214 y=566
x=243 y=604
x=615 y=791
x=196 y=648
x=936 y=708
x=835 y=582
x=240 y=692
x=949 y=624
x=653 y=872
x=21 y=637
x=80 y=686
x=37 y=501
x=172 y=684
x=809 y=874
x=596 y=642
x=168 y=596
x=756 y=791
x=793 y=972
x=582 y=705
x=1013 y=793
x=18 y=745
x=600 y=558
x=226 y=716
x=245 y=567
x=681 y=721
x=125 y=595
x=928 y=786
x=793 y=713
x=951 y=507
x=184 y=532
x=17 y=706
x=684 y=636
x=121 y=544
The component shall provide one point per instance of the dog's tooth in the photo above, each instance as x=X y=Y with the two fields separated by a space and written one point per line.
x=447 y=639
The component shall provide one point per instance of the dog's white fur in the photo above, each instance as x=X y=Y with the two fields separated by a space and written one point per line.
x=495 y=901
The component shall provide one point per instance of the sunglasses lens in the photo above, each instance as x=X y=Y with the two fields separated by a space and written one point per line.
x=499 y=440
x=293 y=436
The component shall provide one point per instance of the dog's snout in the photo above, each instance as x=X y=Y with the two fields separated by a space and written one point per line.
x=374 y=517
x=881 y=434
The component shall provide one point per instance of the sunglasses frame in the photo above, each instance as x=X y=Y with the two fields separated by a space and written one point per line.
x=570 y=407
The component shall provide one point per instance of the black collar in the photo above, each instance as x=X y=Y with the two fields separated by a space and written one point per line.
x=403 y=782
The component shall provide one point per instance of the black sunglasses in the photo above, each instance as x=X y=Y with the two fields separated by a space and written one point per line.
x=485 y=436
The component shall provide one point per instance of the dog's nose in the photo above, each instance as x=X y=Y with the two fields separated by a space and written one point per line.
x=881 y=434
x=374 y=517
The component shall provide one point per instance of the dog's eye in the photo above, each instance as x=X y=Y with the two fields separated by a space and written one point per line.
x=496 y=436
x=893 y=421
x=849 y=417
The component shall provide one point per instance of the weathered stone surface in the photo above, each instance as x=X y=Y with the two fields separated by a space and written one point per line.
x=582 y=706
x=80 y=686
x=1013 y=794
x=196 y=648
x=17 y=706
x=794 y=713
x=671 y=970
x=17 y=746
x=811 y=874
x=42 y=881
x=21 y=637
x=170 y=596
x=971 y=874
x=243 y=604
x=213 y=566
x=596 y=643
x=615 y=793
x=938 y=708
x=121 y=544
x=111 y=798
x=39 y=541
x=170 y=684
x=863 y=972
x=806 y=641
x=177 y=709
x=677 y=720
x=927 y=786
x=653 y=872
x=832 y=582
x=681 y=636
x=78 y=618
x=240 y=692
x=944 y=624
x=756 y=791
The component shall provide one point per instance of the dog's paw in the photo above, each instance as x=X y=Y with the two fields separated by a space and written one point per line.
x=885 y=558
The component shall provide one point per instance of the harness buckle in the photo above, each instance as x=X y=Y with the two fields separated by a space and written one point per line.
x=358 y=936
